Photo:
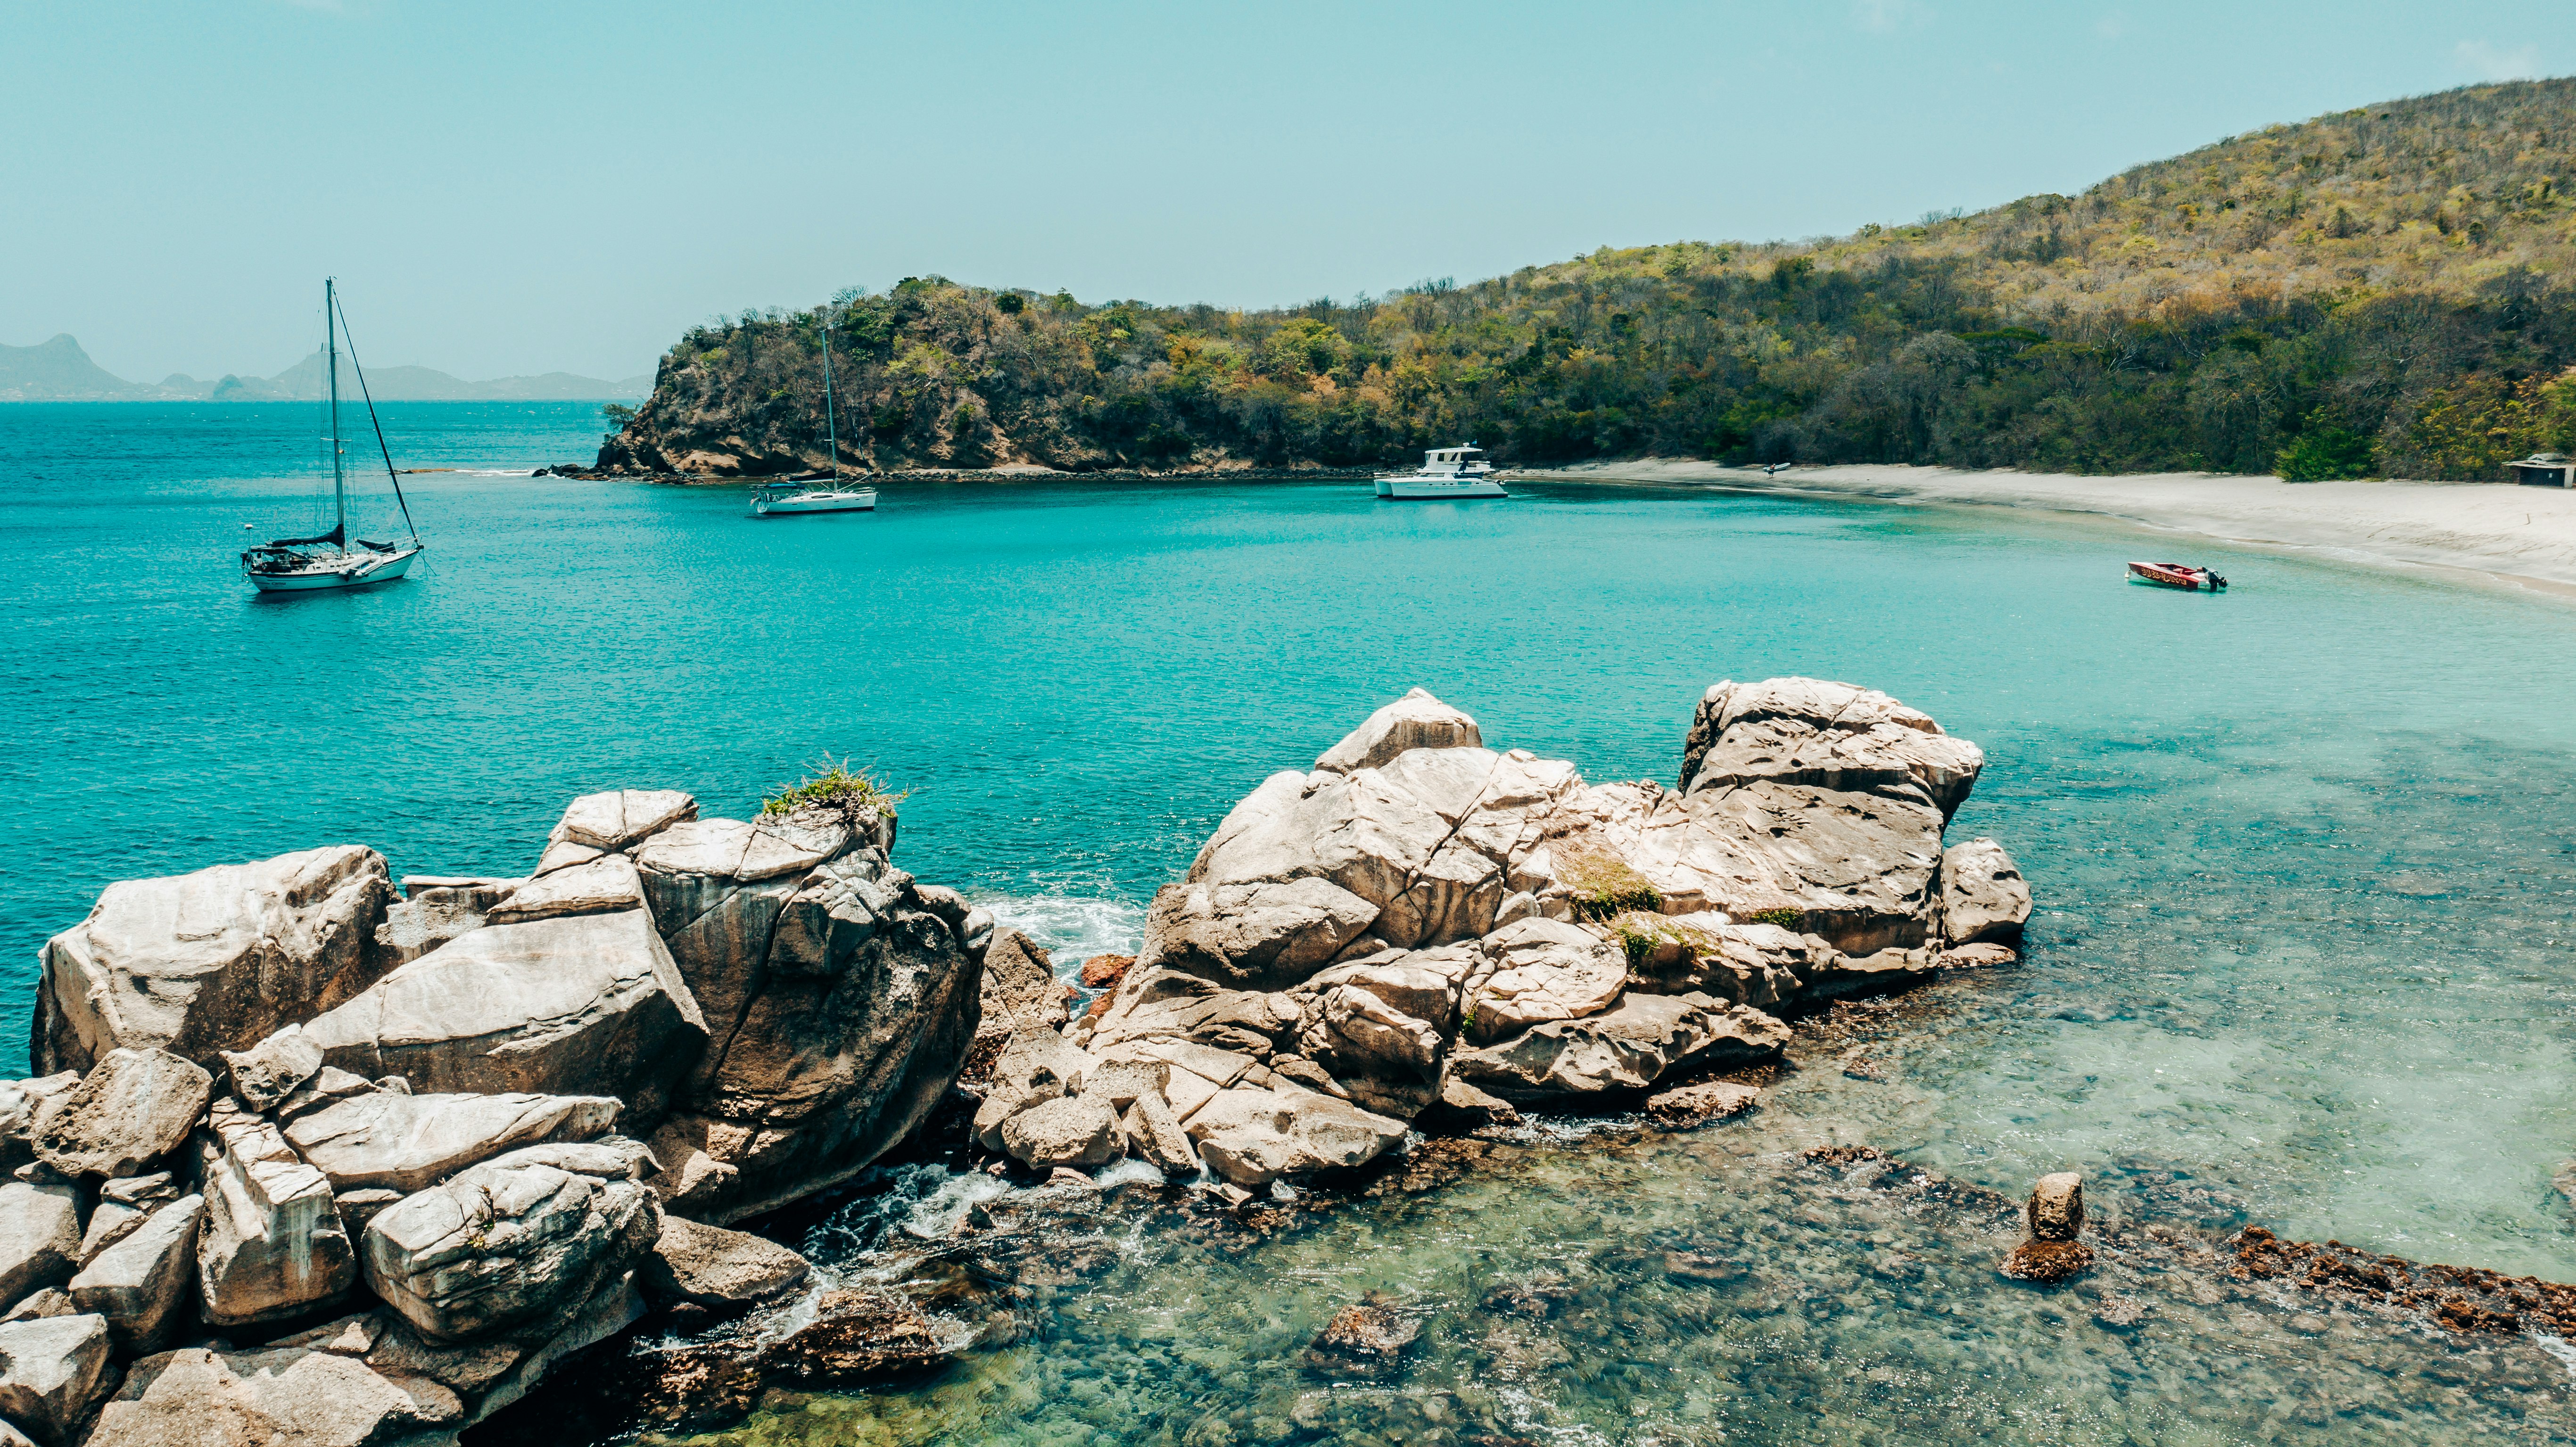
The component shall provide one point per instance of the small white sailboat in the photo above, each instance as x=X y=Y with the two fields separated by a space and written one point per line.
x=1446 y=472
x=794 y=495
x=335 y=559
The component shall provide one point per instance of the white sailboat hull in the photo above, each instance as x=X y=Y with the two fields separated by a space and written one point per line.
x=353 y=570
x=862 y=499
x=1423 y=489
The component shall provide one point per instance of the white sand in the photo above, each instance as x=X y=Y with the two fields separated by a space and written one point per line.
x=2523 y=534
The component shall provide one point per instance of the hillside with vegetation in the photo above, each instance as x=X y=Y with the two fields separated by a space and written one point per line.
x=2384 y=291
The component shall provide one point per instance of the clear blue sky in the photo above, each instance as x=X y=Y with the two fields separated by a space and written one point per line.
x=509 y=188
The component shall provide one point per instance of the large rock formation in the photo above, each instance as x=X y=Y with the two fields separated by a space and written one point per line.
x=211 y=961
x=528 y=1238
x=1420 y=912
x=567 y=1005
x=841 y=998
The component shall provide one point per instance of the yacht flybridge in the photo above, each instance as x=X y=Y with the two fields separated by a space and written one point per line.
x=1445 y=472
x=336 y=559
x=822 y=492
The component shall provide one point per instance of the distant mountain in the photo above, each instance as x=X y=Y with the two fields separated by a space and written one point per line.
x=59 y=371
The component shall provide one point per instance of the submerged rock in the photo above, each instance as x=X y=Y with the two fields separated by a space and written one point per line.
x=1366 y=1339
x=855 y=1338
x=2056 y=1219
x=1692 y=1105
x=721 y=1270
x=217 y=960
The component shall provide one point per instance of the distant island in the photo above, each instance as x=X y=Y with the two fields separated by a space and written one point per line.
x=59 y=371
x=2379 y=292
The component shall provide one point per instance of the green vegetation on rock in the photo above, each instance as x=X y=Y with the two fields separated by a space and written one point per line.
x=834 y=785
x=2380 y=291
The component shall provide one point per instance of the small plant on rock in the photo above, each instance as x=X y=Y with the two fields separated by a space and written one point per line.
x=834 y=785
x=1784 y=918
x=1604 y=885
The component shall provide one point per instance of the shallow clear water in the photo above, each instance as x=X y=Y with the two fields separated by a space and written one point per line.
x=2302 y=852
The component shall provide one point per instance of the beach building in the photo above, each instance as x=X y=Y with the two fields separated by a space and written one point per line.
x=2544 y=469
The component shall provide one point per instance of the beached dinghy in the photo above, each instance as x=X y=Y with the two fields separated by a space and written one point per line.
x=2178 y=575
x=335 y=559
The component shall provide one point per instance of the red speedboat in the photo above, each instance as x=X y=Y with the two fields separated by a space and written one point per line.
x=2178 y=575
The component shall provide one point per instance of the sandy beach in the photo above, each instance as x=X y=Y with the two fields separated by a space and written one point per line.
x=2525 y=535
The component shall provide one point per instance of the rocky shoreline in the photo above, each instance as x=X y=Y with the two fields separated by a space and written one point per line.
x=800 y=469
x=306 y=1162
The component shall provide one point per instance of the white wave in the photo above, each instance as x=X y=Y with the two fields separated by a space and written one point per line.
x=1072 y=927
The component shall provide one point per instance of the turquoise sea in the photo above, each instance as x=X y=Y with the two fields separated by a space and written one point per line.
x=2305 y=857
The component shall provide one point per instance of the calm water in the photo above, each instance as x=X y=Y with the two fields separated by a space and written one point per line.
x=2303 y=856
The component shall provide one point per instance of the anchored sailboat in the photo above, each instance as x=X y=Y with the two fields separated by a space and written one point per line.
x=797 y=495
x=297 y=565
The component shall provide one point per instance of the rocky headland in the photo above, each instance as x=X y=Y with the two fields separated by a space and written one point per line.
x=310 y=1159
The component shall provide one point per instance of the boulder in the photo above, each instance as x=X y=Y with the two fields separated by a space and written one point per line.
x=1763 y=965
x=1860 y=869
x=408 y=1142
x=1462 y=1108
x=1976 y=957
x=123 y=1206
x=1103 y=972
x=1253 y=1136
x=273 y=1244
x=40 y=1236
x=51 y=1301
x=1415 y=721
x=2056 y=1209
x=21 y=1103
x=51 y=1372
x=840 y=998
x=721 y=1270
x=858 y=1337
x=1685 y=1106
x=135 y=1107
x=1257 y=935
x=574 y=1005
x=1384 y=1059
x=268 y=1072
x=1155 y=1136
x=439 y=910
x=216 y=960
x=521 y=1240
x=286 y=1395
x=1069 y=1131
x=601 y=886
x=1544 y=970
x=1020 y=988
x=140 y=1283
x=331 y=1084
x=1368 y=1339
x=1120 y=1083
x=1984 y=899
x=1830 y=735
x=620 y=818
x=1628 y=1048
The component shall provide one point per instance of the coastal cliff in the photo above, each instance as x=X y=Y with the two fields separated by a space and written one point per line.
x=2375 y=292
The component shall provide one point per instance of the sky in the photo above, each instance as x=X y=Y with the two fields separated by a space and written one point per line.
x=506 y=189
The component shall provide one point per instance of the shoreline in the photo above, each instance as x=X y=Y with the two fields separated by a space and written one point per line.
x=2500 y=532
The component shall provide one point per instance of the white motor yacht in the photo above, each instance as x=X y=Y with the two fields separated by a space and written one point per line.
x=1445 y=472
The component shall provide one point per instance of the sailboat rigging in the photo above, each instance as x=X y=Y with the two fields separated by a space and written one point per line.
x=329 y=560
x=771 y=499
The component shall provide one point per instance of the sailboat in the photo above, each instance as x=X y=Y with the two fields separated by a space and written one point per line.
x=335 y=559
x=795 y=495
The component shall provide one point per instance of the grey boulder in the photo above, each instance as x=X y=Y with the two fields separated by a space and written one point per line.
x=1156 y=1137
x=1544 y=970
x=211 y=961
x=268 y=1072
x=384 y=1141
x=140 y=1283
x=601 y=886
x=1020 y=989
x=712 y=1267
x=1830 y=735
x=273 y=1244
x=22 y=1102
x=574 y=1005
x=1070 y=1131
x=519 y=1241
x=434 y=913
x=1984 y=899
x=271 y=1398
x=1253 y=1136
x=133 y=1108
x=1415 y=721
x=40 y=1236
x=1628 y=1048
x=51 y=1371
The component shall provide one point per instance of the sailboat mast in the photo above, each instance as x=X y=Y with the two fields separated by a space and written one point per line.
x=831 y=423
x=331 y=358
